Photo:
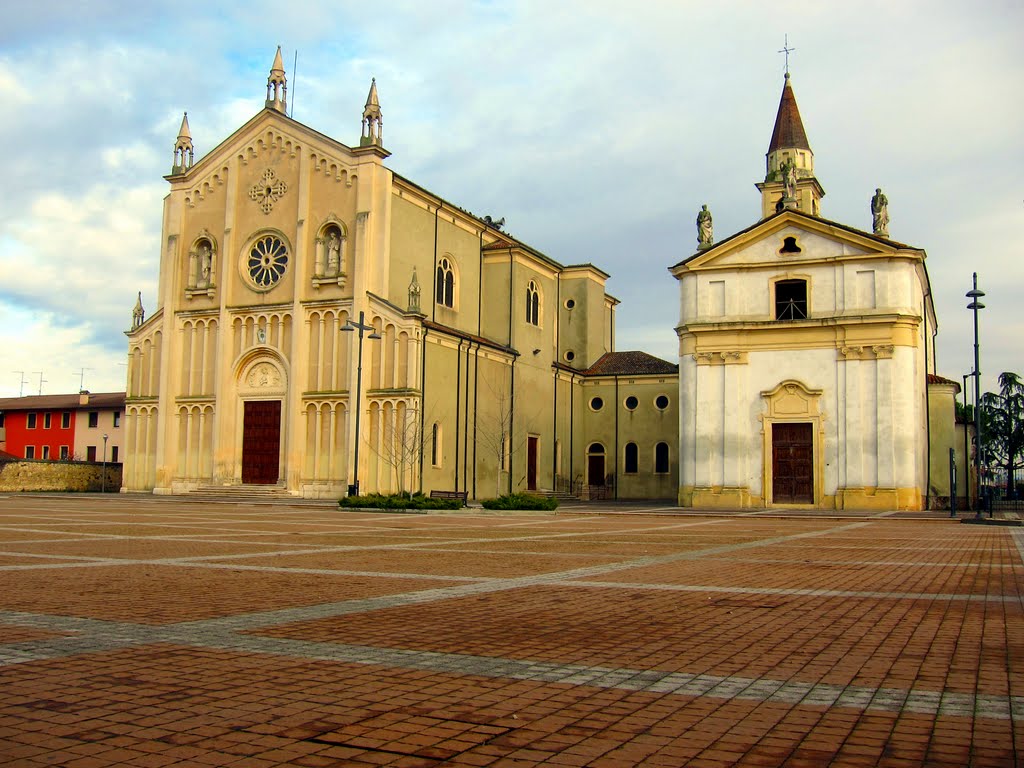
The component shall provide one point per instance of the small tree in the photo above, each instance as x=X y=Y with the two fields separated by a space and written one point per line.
x=1002 y=426
x=495 y=435
x=400 y=444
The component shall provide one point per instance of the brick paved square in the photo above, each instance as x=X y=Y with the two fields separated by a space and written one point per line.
x=190 y=633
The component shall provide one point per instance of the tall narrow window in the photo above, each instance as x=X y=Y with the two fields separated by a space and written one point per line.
x=113 y=454
x=30 y=423
x=532 y=304
x=117 y=419
x=46 y=452
x=64 y=452
x=791 y=300
x=661 y=459
x=65 y=420
x=445 y=283
x=47 y=421
x=94 y=418
x=632 y=458
x=435 y=445
x=30 y=451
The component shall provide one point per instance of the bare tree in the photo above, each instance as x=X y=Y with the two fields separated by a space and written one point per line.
x=495 y=434
x=400 y=443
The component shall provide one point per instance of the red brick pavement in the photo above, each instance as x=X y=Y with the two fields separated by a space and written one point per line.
x=930 y=610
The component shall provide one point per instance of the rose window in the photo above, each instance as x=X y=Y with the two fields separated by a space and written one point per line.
x=268 y=259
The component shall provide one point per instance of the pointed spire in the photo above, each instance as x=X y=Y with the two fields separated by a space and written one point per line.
x=277 y=86
x=789 y=130
x=373 y=121
x=184 y=154
x=138 y=313
x=789 y=181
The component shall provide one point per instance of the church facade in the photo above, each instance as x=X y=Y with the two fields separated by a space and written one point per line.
x=327 y=326
x=805 y=351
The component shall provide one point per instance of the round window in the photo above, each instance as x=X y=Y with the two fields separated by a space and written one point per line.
x=596 y=403
x=661 y=401
x=632 y=403
x=267 y=261
x=570 y=303
x=570 y=355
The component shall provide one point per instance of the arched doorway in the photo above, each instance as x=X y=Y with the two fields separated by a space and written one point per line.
x=595 y=464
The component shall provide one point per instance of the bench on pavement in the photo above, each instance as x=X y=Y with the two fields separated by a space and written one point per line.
x=460 y=495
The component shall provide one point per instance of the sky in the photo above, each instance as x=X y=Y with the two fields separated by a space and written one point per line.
x=596 y=128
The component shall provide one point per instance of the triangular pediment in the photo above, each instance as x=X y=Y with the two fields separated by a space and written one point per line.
x=269 y=131
x=792 y=237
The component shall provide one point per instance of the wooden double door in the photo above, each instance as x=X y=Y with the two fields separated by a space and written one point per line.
x=792 y=463
x=261 y=442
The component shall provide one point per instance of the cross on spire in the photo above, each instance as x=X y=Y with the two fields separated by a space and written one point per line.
x=786 y=50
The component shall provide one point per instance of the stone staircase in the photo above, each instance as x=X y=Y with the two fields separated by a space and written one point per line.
x=253 y=494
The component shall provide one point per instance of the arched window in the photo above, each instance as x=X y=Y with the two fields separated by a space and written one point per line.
x=661 y=459
x=532 y=304
x=632 y=459
x=445 y=283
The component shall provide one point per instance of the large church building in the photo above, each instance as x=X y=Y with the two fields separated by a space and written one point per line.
x=325 y=326
x=806 y=353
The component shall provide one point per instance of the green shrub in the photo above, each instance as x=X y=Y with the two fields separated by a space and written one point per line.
x=397 y=501
x=521 y=501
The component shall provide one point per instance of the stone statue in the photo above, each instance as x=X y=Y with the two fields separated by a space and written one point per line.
x=705 y=228
x=205 y=266
x=880 y=214
x=789 y=179
x=138 y=313
x=333 y=254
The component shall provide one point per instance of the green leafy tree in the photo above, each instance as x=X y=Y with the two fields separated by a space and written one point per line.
x=1002 y=426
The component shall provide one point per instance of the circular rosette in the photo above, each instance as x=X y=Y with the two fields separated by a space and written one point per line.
x=268 y=260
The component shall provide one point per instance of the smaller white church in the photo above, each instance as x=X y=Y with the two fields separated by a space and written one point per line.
x=805 y=350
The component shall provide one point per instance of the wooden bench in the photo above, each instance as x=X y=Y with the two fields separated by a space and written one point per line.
x=460 y=495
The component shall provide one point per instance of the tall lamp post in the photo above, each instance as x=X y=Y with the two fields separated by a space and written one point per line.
x=103 y=483
x=361 y=327
x=974 y=294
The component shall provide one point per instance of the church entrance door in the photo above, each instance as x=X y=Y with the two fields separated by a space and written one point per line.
x=792 y=463
x=531 y=463
x=261 y=442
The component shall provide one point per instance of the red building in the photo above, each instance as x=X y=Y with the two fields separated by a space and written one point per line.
x=84 y=426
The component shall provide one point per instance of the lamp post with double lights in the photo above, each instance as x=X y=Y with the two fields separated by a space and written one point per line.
x=974 y=295
x=361 y=327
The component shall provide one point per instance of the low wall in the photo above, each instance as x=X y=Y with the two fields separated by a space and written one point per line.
x=39 y=475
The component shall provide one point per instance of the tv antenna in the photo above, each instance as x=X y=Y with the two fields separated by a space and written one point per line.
x=21 y=384
x=41 y=380
x=81 y=378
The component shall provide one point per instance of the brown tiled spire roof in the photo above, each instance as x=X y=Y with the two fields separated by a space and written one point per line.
x=789 y=128
x=630 y=363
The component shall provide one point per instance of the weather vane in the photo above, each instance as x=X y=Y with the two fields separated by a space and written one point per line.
x=786 y=50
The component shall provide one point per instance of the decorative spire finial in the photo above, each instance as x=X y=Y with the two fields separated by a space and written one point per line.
x=277 y=86
x=184 y=154
x=414 y=293
x=373 y=121
x=138 y=313
x=787 y=50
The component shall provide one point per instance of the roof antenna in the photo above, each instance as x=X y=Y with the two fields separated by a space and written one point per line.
x=786 y=50
x=21 y=383
x=295 y=82
x=81 y=378
x=41 y=381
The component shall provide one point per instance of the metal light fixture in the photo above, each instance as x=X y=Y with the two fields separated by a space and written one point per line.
x=974 y=294
x=361 y=327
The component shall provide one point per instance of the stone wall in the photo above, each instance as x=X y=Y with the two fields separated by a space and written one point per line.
x=38 y=475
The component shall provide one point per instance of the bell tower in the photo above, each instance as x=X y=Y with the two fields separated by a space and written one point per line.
x=789 y=180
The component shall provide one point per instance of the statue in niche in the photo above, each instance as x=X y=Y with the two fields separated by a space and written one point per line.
x=333 y=253
x=205 y=265
x=705 y=228
x=789 y=179
x=880 y=214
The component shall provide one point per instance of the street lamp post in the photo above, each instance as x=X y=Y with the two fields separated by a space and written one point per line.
x=361 y=327
x=103 y=482
x=974 y=294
